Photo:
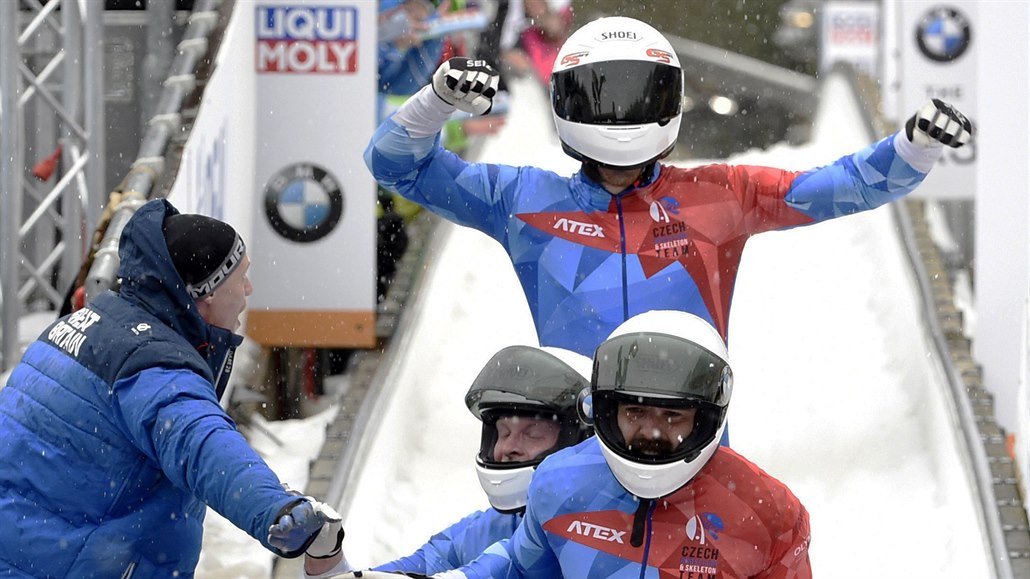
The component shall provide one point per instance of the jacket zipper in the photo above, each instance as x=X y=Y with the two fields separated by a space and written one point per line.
x=642 y=530
x=622 y=247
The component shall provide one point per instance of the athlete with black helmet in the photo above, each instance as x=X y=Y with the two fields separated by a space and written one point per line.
x=653 y=494
x=526 y=398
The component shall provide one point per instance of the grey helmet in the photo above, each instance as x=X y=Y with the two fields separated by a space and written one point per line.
x=532 y=382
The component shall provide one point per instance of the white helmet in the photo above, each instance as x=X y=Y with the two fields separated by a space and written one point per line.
x=667 y=359
x=617 y=93
x=525 y=381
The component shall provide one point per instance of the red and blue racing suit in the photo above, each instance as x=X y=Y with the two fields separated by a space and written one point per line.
x=589 y=260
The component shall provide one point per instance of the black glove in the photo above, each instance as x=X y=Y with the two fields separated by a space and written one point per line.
x=937 y=123
x=469 y=85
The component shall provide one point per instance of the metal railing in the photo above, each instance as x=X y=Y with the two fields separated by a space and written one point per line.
x=1002 y=515
x=151 y=164
x=51 y=71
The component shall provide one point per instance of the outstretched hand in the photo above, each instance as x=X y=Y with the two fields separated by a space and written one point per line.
x=469 y=85
x=301 y=525
x=937 y=123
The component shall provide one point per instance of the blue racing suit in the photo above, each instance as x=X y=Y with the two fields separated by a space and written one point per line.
x=589 y=260
x=458 y=544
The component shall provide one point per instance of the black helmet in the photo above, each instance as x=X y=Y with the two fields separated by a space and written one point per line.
x=529 y=382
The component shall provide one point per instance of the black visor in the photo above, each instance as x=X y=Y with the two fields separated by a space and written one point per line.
x=661 y=365
x=520 y=377
x=525 y=381
x=662 y=371
x=608 y=405
x=622 y=92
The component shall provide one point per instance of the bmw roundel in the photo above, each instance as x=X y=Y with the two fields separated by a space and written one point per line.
x=943 y=34
x=303 y=202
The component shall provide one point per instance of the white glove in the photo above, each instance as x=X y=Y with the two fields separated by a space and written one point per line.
x=938 y=123
x=329 y=541
x=469 y=85
x=301 y=525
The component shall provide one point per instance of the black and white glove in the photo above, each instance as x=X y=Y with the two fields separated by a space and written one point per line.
x=938 y=123
x=469 y=85
x=329 y=541
x=301 y=525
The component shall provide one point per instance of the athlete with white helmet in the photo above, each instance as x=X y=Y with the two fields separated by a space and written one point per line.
x=526 y=398
x=628 y=234
x=653 y=494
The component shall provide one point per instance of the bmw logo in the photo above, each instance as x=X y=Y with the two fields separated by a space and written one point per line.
x=943 y=34
x=303 y=202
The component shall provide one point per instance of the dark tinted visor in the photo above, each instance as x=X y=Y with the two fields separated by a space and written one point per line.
x=520 y=377
x=661 y=365
x=624 y=92
x=679 y=440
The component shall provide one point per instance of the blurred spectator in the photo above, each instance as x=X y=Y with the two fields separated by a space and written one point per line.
x=529 y=36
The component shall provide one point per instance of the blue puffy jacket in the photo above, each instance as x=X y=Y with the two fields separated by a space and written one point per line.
x=458 y=544
x=112 y=438
x=588 y=260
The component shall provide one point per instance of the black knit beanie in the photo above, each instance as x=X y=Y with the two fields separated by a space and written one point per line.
x=205 y=251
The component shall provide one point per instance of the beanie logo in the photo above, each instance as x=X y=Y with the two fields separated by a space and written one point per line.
x=220 y=274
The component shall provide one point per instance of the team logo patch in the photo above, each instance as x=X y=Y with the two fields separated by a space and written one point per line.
x=943 y=34
x=701 y=558
x=303 y=202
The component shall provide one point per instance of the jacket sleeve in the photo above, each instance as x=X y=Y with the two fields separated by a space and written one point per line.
x=526 y=554
x=874 y=176
x=438 y=554
x=790 y=558
x=405 y=156
x=495 y=562
x=456 y=545
x=172 y=416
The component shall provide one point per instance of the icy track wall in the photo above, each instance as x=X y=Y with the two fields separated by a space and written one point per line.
x=838 y=393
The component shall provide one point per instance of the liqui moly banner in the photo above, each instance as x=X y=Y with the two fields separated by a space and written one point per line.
x=315 y=64
x=308 y=39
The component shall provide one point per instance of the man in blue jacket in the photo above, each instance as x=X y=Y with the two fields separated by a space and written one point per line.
x=112 y=439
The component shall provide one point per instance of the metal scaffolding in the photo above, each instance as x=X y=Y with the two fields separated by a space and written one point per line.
x=52 y=177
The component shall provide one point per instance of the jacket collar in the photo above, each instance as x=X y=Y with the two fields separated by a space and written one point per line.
x=590 y=193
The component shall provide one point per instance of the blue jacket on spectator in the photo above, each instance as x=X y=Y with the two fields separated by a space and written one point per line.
x=113 y=438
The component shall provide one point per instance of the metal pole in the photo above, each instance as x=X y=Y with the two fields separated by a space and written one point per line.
x=159 y=55
x=11 y=185
x=93 y=100
x=74 y=204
